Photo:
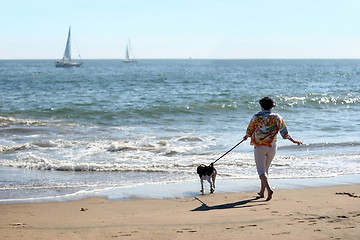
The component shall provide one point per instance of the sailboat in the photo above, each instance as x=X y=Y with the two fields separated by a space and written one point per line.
x=129 y=56
x=66 y=60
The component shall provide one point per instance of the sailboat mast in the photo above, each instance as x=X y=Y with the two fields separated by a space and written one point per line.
x=127 y=56
x=131 y=54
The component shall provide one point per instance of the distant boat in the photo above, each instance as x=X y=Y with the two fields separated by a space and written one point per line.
x=129 y=55
x=66 y=60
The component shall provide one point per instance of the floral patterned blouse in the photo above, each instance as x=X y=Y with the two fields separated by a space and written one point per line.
x=264 y=127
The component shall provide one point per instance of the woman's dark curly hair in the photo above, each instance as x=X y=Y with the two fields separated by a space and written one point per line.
x=267 y=103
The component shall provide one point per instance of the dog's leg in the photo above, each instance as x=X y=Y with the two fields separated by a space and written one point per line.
x=202 y=186
x=208 y=178
x=213 y=176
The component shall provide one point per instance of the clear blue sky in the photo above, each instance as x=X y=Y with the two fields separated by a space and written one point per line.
x=231 y=29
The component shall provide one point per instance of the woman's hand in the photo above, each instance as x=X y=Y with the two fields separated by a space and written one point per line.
x=296 y=141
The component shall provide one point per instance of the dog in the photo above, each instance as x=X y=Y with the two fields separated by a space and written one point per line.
x=207 y=173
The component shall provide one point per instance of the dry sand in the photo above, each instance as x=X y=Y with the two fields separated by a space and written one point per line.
x=317 y=213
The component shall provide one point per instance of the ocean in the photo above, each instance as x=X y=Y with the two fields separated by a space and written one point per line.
x=126 y=130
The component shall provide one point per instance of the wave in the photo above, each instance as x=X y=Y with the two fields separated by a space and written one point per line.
x=109 y=113
x=59 y=186
x=179 y=155
x=38 y=163
x=44 y=144
x=190 y=139
x=10 y=122
x=316 y=99
x=8 y=149
x=233 y=165
x=322 y=145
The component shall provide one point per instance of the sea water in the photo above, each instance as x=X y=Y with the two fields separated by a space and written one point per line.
x=110 y=126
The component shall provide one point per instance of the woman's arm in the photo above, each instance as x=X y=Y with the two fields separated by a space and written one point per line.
x=295 y=141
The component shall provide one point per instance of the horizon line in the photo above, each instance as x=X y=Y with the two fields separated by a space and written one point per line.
x=190 y=58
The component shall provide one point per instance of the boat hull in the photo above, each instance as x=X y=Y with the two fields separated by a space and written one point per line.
x=67 y=64
x=129 y=61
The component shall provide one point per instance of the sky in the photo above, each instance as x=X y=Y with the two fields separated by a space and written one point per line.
x=176 y=29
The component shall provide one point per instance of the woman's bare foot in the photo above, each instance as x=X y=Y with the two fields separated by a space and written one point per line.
x=270 y=193
x=261 y=195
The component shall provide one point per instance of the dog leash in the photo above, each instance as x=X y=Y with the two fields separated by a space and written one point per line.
x=228 y=151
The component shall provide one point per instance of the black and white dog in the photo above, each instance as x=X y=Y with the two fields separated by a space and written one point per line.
x=207 y=173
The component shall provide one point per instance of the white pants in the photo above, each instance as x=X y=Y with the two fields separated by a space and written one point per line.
x=263 y=157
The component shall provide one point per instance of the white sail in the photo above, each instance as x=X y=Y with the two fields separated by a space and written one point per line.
x=66 y=60
x=67 y=53
x=129 y=55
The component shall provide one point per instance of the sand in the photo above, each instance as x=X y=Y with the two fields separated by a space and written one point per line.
x=315 y=213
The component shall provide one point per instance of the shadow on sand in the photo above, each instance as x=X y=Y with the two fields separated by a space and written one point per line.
x=240 y=204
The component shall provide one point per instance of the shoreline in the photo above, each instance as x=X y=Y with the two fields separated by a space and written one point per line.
x=190 y=189
x=313 y=213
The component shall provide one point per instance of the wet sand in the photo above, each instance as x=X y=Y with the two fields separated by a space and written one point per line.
x=314 y=213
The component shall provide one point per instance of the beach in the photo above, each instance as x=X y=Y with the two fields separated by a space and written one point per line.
x=312 y=213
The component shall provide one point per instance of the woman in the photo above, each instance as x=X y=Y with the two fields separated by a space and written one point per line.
x=263 y=129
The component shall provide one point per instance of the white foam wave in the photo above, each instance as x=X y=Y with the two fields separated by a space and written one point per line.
x=10 y=121
x=320 y=99
x=322 y=145
x=7 y=121
x=19 y=147
x=190 y=139
x=149 y=159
